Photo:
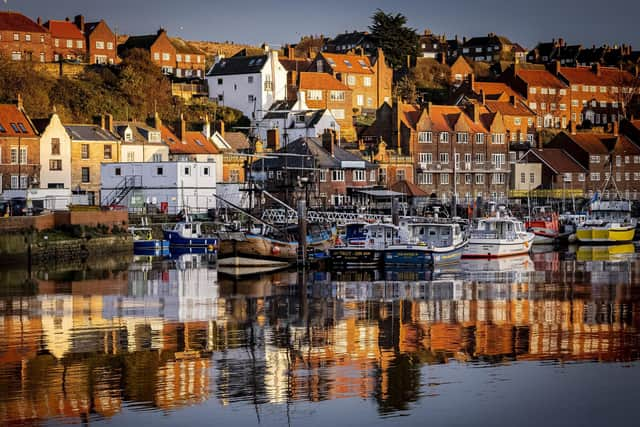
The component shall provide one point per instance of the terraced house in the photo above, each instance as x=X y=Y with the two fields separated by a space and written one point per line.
x=598 y=94
x=19 y=151
x=370 y=80
x=100 y=40
x=22 y=39
x=91 y=146
x=68 y=41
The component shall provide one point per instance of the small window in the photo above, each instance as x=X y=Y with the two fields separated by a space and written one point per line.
x=159 y=171
x=84 y=151
x=118 y=172
x=85 y=175
x=219 y=81
x=205 y=171
x=187 y=171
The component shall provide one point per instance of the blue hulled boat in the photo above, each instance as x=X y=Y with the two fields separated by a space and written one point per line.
x=188 y=234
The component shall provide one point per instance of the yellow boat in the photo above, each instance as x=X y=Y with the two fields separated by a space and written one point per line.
x=608 y=222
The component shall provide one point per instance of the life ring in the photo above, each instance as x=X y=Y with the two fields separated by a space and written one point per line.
x=276 y=250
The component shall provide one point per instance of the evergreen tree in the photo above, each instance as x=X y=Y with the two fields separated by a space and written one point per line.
x=396 y=40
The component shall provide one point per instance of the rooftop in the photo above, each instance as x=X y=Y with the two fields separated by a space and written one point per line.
x=13 y=21
x=14 y=122
x=64 y=30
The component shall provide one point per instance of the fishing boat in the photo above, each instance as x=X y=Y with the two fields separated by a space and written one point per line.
x=241 y=266
x=498 y=236
x=363 y=244
x=426 y=243
x=145 y=244
x=544 y=225
x=188 y=234
x=608 y=222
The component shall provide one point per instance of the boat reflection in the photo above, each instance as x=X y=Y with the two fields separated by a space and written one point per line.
x=163 y=334
x=612 y=253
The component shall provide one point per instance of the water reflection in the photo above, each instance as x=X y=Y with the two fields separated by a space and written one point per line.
x=160 y=335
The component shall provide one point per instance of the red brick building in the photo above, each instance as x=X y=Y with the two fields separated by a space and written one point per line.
x=19 y=149
x=597 y=93
x=601 y=154
x=545 y=94
x=100 y=41
x=68 y=42
x=22 y=39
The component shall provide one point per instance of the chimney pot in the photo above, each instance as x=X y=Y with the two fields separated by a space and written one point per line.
x=328 y=140
x=183 y=128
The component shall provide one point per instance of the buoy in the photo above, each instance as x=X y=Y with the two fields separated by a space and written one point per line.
x=275 y=250
x=210 y=248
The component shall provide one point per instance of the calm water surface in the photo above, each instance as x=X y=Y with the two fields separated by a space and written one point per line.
x=551 y=339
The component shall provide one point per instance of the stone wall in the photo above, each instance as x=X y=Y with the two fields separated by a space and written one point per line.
x=17 y=223
x=52 y=220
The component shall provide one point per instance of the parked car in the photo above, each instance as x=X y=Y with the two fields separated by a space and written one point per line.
x=17 y=206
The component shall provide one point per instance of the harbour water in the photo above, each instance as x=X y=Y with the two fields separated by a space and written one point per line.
x=547 y=339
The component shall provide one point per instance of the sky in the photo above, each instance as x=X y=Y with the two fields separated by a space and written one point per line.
x=285 y=21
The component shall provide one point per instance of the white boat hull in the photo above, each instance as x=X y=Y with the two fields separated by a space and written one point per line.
x=496 y=248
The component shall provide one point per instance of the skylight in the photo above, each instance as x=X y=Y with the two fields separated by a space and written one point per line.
x=22 y=128
x=199 y=143
x=15 y=128
x=346 y=61
x=252 y=62
x=362 y=63
x=2 y=129
x=331 y=62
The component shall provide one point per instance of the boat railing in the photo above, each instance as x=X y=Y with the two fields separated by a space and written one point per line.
x=490 y=234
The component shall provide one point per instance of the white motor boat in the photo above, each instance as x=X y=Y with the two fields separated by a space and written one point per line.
x=498 y=236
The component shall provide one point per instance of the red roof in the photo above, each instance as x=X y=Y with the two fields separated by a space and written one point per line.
x=321 y=81
x=558 y=160
x=445 y=117
x=14 y=122
x=12 y=21
x=494 y=89
x=609 y=76
x=341 y=63
x=509 y=109
x=64 y=30
x=540 y=78
x=598 y=143
x=192 y=143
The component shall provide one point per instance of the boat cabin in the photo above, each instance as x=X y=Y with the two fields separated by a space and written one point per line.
x=380 y=235
x=188 y=229
x=610 y=210
x=433 y=234
x=498 y=228
x=353 y=234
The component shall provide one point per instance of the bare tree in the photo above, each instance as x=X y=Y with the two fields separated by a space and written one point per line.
x=626 y=90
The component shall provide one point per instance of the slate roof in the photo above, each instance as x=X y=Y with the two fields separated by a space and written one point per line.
x=64 y=30
x=295 y=64
x=89 y=133
x=138 y=42
x=11 y=114
x=558 y=160
x=313 y=148
x=140 y=132
x=13 y=21
x=237 y=140
x=238 y=65
x=486 y=40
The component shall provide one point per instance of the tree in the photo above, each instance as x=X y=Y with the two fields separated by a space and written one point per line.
x=406 y=89
x=626 y=90
x=429 y=73
x=397 y=41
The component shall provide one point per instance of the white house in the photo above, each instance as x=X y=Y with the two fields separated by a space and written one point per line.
x=55 y=160
x=140 y=142
x=250 y=84
x=296 y=120
x=173 y=186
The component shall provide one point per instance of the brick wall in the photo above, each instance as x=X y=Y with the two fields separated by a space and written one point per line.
x=48 y=221
x=17 y=223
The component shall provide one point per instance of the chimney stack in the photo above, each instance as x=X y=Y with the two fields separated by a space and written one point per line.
x=102 y=121
x=273 y=139
x=512 y=100
x=108 y=122
x=573 y=127
x=19 y=103
x=183 y=128
x=483 y=97
x=329 y=140
x=596 y=69
x=429 y=106
x=472 y=81
x=616 y=128
x=39 y=21
x=79 y=21
x=556 y=67
x=475 y=112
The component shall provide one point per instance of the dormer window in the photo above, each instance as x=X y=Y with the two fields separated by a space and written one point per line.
x=154 y=136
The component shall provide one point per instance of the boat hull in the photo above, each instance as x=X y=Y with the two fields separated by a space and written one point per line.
x=416 y=255
x=356 y=257
x=175 y=239
x=259 y=247
x=153 y=244
x=604 y=235
x=493 y=248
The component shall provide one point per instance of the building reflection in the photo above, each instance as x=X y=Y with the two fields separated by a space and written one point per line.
x=161 y=334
